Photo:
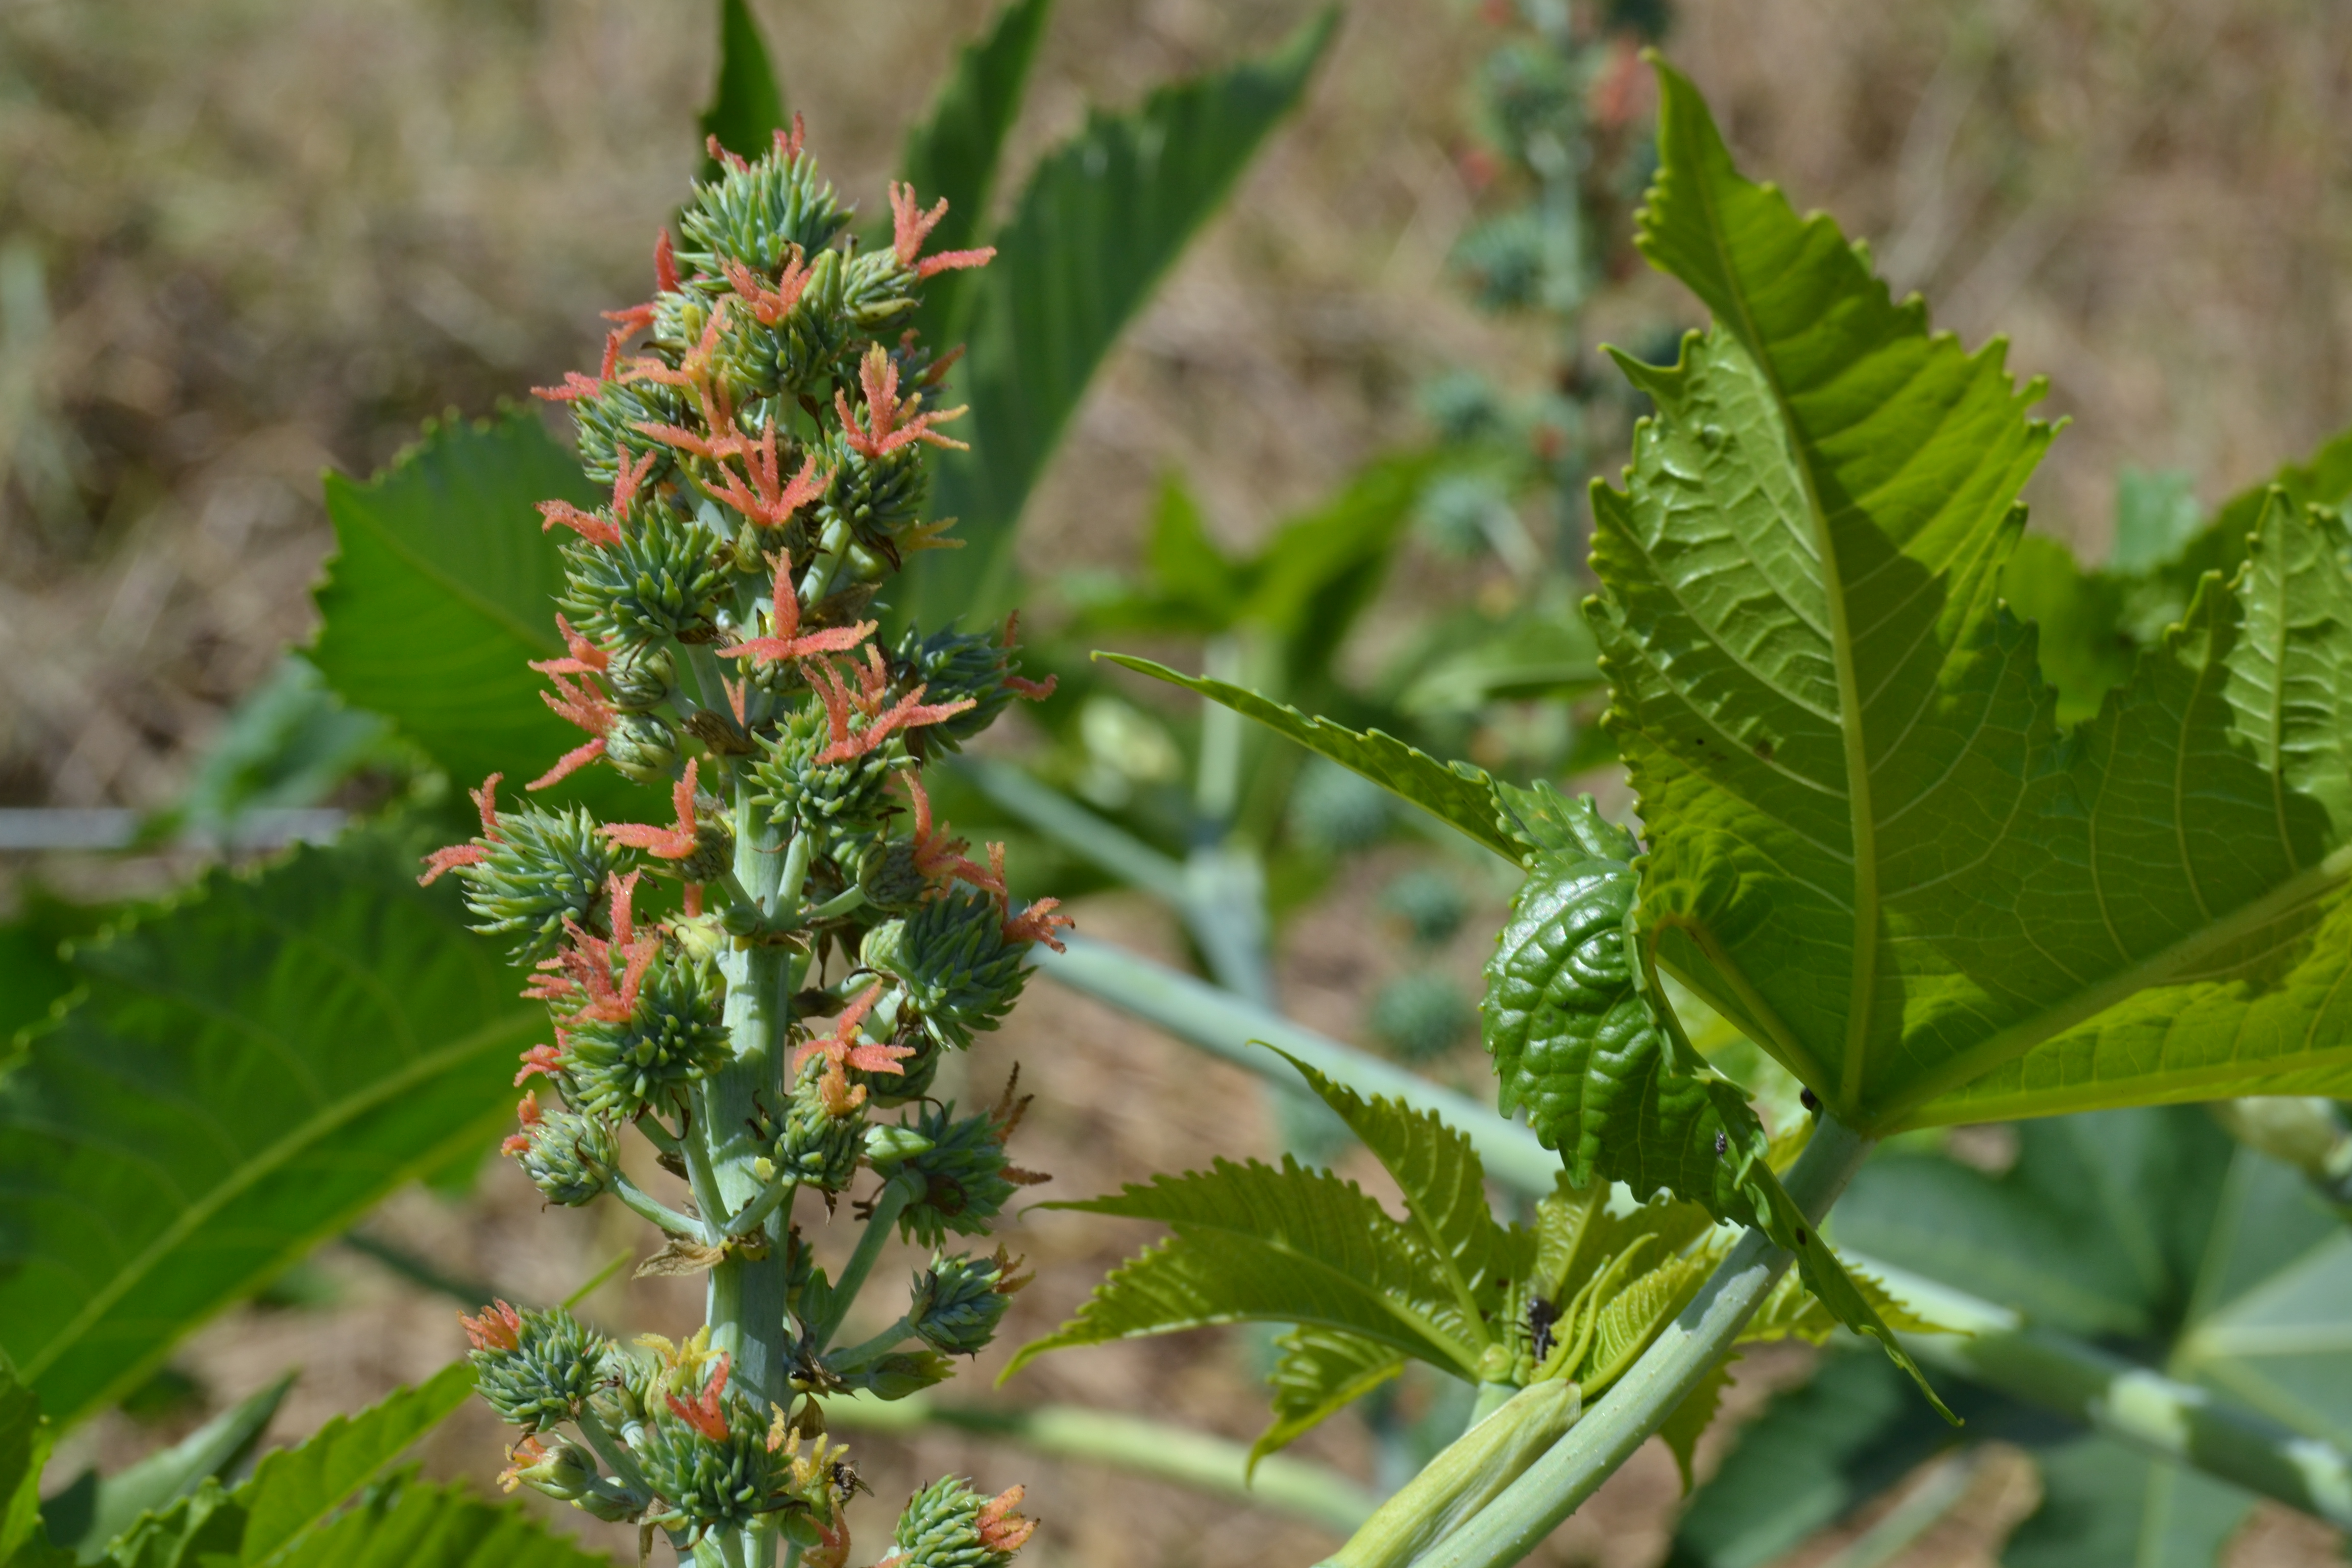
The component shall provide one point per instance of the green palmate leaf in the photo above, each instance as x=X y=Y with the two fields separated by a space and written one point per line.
x=439 y=1527
x=267 y=1520
x=1822 y=1450
x=441 y=592
x=2102 y=1503
x=92 y=1511
x=1871 y=845
x=1290 y=1246
x=1580 y=1048
x=2158 y=596
x=2143 y=1227
x=293 y=1489
x=1592 y=1054
x=1444 y=1184
x=1099 y=223
x=955 y=153
x=1456 y=794
x=25 y=1440
x=251 y=1070
x=747 y=102
x=1321 y=1372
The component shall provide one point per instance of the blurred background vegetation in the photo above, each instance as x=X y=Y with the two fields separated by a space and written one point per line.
x=243 y=241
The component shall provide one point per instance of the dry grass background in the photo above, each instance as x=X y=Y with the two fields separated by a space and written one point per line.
x=241 y=240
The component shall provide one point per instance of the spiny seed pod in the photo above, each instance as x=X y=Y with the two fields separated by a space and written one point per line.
x=911 y=1082
x=542 y=868
x=568 y=1157
x=663 y=577
x=816 y=1146
x=958 y=1301
x=961 y=973
x=713 y=855
x=847 y=800
x=876 y=498
x=610 y=427
x=558 y=1466
x=534 y=1368
x=673 y=1033
x=708 y=1457
x=952 y=666
x=1422 y=1015
x=641 y=679
x=641 y=748
x=889 y=878
x=961 y=1170
x=757 y=216
x=948 y=1525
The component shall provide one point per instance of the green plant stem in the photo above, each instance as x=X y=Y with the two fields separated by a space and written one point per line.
x=1282 y=1483
x=857 y=1356
x=757 y=1211
x=652 y=1210
x=1638 y=1405
x=745 y=1303
x=894 y=1196
x=1232 y=1027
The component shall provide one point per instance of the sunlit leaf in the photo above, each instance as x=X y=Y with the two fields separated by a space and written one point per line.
x=747 y=102
x=1871 y=845
x=1098 y=224
x=252 y=1069
x=1456 y=794
x=442 y=590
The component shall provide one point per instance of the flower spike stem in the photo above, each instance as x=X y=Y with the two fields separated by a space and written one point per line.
x=1551 y=1490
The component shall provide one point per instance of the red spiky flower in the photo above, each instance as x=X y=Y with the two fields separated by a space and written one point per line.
x=673 y=842
x=456 y=854
x=883 y=431
x=910 y=225
x=785 y=641
x=843 y=1049
x=584 y=703
x=499 y=1328
x=705 y=1413
x=938 y=858
x=527 y=1114
x=1001 y=1529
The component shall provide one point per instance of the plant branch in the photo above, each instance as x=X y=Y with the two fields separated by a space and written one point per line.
x=1281 y=1484
x=2055 y=1372
x=1638 y=1405
x=652 y=1209
x=893 y=1197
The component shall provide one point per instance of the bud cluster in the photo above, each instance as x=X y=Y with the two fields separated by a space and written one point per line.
x=761 y=427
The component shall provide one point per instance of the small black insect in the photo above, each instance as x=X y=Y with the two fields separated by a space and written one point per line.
x=1542 y=1316
x=1722 y=1144
x=1809 y=1100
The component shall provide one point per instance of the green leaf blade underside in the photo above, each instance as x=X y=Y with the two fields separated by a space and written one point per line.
x=442 y=590
x=293 y=1488
x=1099 y=223
x=747 y=102
x=1290 y=1246
x=955 y=152
x=250 y=1071
x=1321 y=1372
x=1456 y=794
x=1445 y=1187
x=439 y=1527
x=1872 y=845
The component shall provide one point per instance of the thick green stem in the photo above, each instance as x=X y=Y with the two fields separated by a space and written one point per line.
x=1511 y=1526
x=894 y=1196
x=652 y=1209
x=745 y=1306
x=1280 y=1482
